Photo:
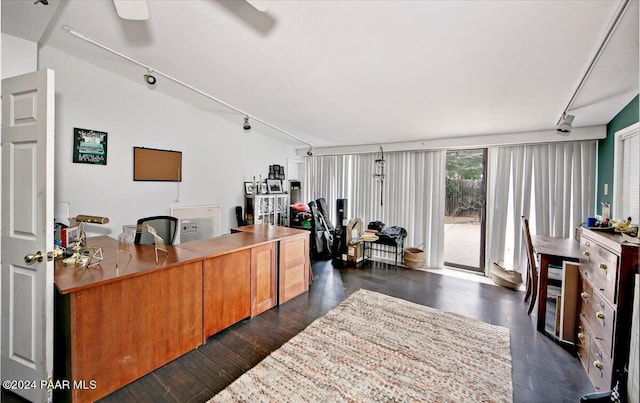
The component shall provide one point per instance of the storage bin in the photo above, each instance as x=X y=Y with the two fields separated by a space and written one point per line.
x=414 y=257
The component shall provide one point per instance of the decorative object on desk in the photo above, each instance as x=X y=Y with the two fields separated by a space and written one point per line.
x=591 y=222
x=414 y=257
x=630 y=230
x=125 y=240
x=248 y=188
x=68 y=236
x=158 y=243
x=505 y=278
x=378 y=171
x=85 y=256
x=606 y=211
x=89 y=146
x=274 y=186
x=621 y=226
x=384 y=348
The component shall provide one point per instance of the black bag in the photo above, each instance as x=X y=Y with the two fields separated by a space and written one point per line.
x=393 y=235
x=376 y=225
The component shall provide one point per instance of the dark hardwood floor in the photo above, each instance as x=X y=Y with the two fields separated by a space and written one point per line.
x=542 y=370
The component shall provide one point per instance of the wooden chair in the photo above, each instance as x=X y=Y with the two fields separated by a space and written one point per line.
x=531 y=293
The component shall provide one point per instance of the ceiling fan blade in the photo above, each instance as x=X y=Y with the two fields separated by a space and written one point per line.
x=132 y=9
x=260 y=5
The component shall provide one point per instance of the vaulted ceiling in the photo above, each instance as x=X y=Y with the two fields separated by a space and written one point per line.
x=363 y=72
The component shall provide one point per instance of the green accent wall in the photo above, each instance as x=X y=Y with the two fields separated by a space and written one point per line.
x=627 y=116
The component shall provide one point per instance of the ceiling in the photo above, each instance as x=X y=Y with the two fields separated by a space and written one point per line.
x=336 y=73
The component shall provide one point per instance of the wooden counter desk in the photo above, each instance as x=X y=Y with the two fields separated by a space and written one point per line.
x=294 y=265
x=114 y=325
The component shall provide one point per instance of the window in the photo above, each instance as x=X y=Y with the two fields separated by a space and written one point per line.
x=626 y=181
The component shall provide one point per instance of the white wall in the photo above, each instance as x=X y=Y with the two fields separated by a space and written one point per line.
x=217 y=155
x=19 y=56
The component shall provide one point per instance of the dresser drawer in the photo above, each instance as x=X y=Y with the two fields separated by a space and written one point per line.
x=583 y=339
x=599 y=315
x=600 y=367
x=600 y=267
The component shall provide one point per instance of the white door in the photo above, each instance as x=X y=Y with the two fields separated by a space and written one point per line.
x=27 y=229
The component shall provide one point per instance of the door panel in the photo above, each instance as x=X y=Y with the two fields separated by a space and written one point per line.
x=263 y=278
x=464 y=231
x=27 y=228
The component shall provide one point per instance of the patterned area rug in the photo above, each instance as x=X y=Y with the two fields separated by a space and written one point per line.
x=373 y=347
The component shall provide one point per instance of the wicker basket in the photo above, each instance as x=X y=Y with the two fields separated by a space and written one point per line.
x=505 y=278
x=414 y=257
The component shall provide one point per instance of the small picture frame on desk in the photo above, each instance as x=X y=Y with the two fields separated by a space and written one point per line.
x=274 y=186
x=248 y=188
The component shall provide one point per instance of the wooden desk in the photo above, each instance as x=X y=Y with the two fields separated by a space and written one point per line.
x=114 y=325
x=294 y=265
x=551 y=250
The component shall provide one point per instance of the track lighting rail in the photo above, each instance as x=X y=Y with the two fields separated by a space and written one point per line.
x=614 y=24
x=150 y=69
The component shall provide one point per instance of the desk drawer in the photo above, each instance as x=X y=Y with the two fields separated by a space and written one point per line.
x=600 y=267
x=599 y=315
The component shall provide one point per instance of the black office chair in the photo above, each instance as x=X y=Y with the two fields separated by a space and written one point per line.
x=240 y=217
x=166 y=227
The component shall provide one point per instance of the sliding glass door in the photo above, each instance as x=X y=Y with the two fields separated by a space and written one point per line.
x=464 y=221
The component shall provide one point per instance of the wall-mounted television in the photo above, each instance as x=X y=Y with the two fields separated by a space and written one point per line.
x=150 y=164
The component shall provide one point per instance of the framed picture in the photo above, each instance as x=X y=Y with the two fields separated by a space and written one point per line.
x=248 y=188
x=89 y=146
x=274 y=185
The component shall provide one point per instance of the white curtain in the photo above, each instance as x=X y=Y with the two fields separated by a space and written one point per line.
x=412 y=197
x=551 y=184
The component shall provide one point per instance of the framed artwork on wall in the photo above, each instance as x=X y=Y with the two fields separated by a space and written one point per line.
x=248 y=188
x=89 y=146
x=274 y=185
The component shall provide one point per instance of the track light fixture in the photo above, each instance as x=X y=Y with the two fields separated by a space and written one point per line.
x=564 y=123
x=149 y=78
x=564 y=127
x=310 y=151
x=246 y=126
x=45 y=2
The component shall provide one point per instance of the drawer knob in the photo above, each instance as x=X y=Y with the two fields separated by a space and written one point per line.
x=603 y=266
x=581 y=336
x=598 y=364
x=600 y=315
x=586 y=253
x=584 y=295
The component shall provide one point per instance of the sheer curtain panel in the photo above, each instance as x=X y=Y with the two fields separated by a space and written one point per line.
x=551 y=184
x=413 y=193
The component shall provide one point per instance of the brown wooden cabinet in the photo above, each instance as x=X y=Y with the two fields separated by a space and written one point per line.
x=263 y=278
x=604 y=312
x=227 y=290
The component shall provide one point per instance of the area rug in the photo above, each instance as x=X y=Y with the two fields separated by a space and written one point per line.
x=373 y=347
